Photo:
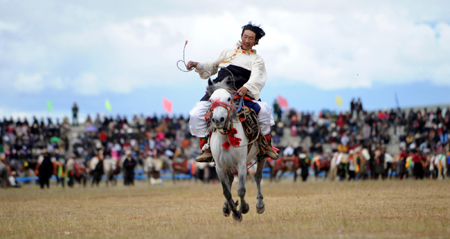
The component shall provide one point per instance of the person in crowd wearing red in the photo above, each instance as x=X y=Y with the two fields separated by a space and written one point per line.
x=418 y=160
x=401 y=164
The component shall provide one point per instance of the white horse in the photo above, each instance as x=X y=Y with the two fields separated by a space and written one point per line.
x=152 y=167
x=229 y=148
x=440 y=162
x=110 y=168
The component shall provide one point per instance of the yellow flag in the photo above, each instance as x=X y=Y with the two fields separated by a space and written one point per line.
x=338 y=101
x=108 y=105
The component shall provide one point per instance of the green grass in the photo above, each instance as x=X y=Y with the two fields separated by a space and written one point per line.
x=370 y=209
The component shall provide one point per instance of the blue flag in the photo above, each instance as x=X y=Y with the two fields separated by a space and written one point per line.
x=396 y=100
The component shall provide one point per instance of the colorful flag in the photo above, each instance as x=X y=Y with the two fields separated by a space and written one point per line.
x=49 y=106
x=282 y=102
x=338 y=101
x=108 y=105
x=167 y=105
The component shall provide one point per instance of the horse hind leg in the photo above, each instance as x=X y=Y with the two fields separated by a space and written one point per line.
x=260 y=206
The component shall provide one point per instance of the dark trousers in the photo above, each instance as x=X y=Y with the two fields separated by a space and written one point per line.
x=128 y=178
x=70 y=183
x=44 y=181
x=389 y=170
x=351 y=175
x=305 y=173
x=96 y=180
x=61 y=180
x=341 y=171
x=418 y=170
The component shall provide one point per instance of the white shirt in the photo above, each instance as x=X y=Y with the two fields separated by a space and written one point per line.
x=70 y=163
x=238 y=57
x=388 y=158
x=288 y=151
x=366 y=154
x=93 y=163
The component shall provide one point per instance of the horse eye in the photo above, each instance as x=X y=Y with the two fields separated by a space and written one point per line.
x=229 y=98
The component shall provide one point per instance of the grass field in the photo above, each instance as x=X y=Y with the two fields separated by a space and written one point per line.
x=369 y=209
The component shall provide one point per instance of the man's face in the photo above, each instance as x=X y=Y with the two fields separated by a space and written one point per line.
x=248 y=40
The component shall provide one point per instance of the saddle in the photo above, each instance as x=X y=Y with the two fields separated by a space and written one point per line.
x=249 y=120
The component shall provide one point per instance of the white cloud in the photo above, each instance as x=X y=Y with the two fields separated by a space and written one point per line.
x=4 y=26
x=90 y=48
x=29 y=83
x=87 y=84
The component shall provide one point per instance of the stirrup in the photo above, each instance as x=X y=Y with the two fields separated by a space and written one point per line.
x=205 y=157
x=270 y=152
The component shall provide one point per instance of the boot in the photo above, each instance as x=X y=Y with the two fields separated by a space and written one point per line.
x=206 y=155
x=270 y=152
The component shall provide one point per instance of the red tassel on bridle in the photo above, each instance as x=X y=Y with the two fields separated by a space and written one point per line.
x=232 y=141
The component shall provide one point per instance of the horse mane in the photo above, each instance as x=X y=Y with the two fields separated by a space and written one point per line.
x=227 y=84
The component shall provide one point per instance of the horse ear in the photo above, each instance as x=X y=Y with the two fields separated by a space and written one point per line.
x=210 y=82
x=229 y=81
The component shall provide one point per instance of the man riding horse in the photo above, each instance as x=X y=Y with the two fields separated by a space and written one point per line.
x=247 y=70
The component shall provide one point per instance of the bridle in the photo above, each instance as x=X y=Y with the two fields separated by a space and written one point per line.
x=230 y=113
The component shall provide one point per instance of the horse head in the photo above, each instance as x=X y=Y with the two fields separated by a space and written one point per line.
x=221 y=98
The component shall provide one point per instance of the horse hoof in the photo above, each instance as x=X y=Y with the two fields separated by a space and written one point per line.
x=237 y=216
x=226 y=210
x=260 y=210
x=245 y=208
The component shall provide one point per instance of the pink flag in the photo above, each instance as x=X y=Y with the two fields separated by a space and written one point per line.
x=282 y=102
x=167 y=105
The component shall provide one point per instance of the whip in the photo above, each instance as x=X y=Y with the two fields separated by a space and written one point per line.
x=184 y=61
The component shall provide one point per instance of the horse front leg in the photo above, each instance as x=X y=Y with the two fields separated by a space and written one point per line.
x=242 y=172
x=260 y=206
x=226 y=210
x=224 y=180
x=280 y=176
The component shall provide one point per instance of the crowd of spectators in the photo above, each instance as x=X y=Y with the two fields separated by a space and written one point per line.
x=422 y=128
x=142 y=135
x=417 y=134
x=23 y=141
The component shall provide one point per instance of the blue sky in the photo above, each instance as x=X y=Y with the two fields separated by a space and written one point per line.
x=85 y=52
